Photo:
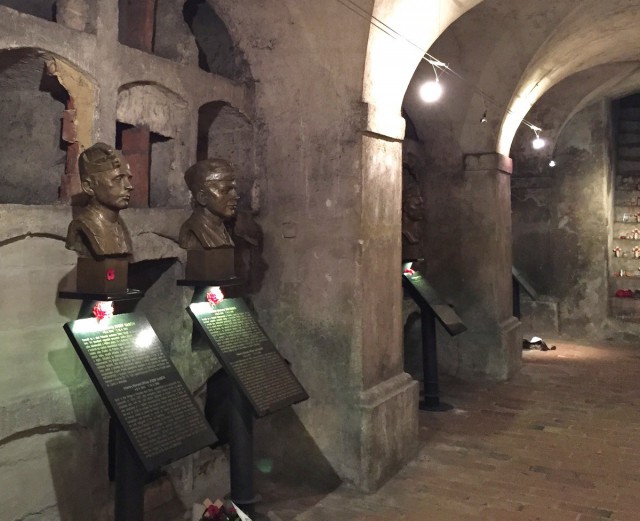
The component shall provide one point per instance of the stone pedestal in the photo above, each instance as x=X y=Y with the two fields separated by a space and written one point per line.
x=213 y=264
x=108 y=275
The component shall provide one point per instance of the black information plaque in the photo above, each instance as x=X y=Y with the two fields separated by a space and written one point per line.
x=247 y=355
x=422 y=292
x=140 y=387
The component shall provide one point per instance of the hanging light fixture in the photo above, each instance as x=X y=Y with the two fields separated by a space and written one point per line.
x=432 y=90
x=537 y=142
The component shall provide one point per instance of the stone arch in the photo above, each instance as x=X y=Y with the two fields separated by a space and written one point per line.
x=419 y=23
x=75 y=14
x=217 y=52
x=224 y=131
x=150 y=122
x=571 y=49
x=47 y=113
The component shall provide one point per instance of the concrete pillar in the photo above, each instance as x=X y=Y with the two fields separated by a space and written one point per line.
x=492 y=347
x=388 y=397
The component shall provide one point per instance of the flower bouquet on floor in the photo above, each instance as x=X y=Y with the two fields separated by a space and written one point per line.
x=222 y=511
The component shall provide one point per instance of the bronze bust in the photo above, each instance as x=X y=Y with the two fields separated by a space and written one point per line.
x=98 y=230
x=215 y=199
x=412 y=217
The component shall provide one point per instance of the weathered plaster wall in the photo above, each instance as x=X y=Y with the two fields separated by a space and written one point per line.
x=331 y=228
x=562 y=217
x=318 y=233
x=53 y=427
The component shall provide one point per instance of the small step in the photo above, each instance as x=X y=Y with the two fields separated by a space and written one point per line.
x=629 y=126
x=629 y=153
x=627 y=183
x=629 y=197
x=626 y=165
x=628 y=138
x=630 y=113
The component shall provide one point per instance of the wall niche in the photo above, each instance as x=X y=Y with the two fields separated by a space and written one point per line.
x=75 y=14
x=225 y=132
x=32 y=103
x=150 y=118
x=45 y=9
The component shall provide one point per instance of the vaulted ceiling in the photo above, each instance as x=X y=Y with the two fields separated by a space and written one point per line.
x=509 y=53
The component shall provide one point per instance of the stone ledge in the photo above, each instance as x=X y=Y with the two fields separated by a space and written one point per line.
x=389 y=430
x=488 y=161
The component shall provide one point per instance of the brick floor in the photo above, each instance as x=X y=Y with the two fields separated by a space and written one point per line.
x=561 y=441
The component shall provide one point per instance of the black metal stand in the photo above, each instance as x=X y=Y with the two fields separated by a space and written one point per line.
x=240 y=416
x=431 y=401
x=124 y=466
x=516 y=298
x=241 y=452
x=130 y=479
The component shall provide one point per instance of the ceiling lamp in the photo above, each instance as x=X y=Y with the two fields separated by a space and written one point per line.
x=431 y=91
x=537 y=142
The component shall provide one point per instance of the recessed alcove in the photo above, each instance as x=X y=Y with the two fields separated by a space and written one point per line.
x=75 y=14
x=32 y=103
x=45 y=9
x=136 y=23
x=150 y=118
x=225 y=132
x=216 y=50
x=149 y=155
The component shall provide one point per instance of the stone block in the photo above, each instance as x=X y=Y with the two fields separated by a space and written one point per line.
x=389 y=430
x=539 y=317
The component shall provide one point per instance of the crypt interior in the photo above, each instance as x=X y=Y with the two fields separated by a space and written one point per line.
x=317 y=103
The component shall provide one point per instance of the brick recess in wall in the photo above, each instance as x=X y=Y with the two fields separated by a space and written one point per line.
x=70 y=182
x=136 y=148
x=137 y=23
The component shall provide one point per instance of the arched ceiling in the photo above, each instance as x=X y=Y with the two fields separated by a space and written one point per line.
x=509 y=53
x=391 y=61
x=593 y=33
x=568 y=97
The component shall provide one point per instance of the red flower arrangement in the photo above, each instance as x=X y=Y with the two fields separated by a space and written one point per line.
x=103 y=310
x=215 y=296
x=219 y=511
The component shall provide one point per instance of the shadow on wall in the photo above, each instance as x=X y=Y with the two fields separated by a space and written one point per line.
x=76 y=468
x=294 y=470
x=33 y=102
x=216 y=51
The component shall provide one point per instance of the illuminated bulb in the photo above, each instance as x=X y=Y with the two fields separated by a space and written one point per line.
x=538 y=143
x=552 y=163
x=431 y=91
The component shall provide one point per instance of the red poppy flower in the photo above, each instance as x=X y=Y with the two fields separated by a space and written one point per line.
x=215 y=296
x=211 y=512
x=103 y=310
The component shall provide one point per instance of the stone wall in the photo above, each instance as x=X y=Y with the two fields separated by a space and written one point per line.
x=330 y=217
x=53 y=427
x=562 y=221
